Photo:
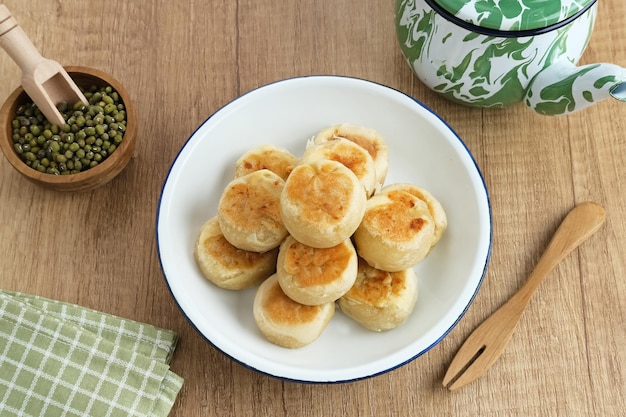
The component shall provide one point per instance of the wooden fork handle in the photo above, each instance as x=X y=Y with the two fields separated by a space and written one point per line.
x=582 y=222
x=16 y=43
x=486 y=343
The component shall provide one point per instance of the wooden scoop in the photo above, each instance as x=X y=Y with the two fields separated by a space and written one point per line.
x=44 y=80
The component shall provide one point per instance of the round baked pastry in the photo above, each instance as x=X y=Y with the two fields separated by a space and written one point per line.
x=249 y=211
x=229 y=267
x=434 y=206
x=367 y=138
x=380 y=300
x=397 y=231
x=322 y=203
x=314 y=276
x=353 y=156
x=285 y=322
x=278 y=160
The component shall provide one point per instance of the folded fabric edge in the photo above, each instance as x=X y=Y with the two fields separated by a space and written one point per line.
x=163 y=396
x=150 y=340
x=170 y=387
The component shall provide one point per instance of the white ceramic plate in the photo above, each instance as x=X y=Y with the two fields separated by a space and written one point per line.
x=423 y=151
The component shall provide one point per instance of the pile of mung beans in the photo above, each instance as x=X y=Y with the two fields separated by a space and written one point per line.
x=91 y=133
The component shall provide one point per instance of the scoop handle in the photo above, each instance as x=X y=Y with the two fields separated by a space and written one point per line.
x=16 y=43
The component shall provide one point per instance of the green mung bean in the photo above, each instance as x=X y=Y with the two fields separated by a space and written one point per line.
x=91 y=133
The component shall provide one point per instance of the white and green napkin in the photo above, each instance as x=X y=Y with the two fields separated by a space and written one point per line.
x=60 y=359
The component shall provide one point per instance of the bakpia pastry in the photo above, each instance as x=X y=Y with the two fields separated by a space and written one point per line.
x=227 y=266
x=368 y=138
x=314 y=276
x=380 y=300
x=322 y=203
x=434 y=206
x=249 y=211
x=285 y=322
x=397 y=231
x=275 y=158
x=350 y=154
x=318 y=233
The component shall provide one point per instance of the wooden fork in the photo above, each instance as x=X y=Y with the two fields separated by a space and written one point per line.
x=487 y=341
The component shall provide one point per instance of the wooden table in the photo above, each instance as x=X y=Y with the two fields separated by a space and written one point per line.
x=182 y=60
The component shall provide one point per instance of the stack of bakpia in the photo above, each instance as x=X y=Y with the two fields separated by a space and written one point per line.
x=318 y=231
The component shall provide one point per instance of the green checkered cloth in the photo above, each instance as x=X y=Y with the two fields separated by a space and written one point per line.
x=60 y=359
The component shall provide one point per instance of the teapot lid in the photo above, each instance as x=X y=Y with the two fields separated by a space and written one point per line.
x=534 y=16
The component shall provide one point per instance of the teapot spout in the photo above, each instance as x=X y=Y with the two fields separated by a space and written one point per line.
x=564 y=88
x=618 y=92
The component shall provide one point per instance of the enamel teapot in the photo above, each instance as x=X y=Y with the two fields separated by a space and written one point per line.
x=495 y=53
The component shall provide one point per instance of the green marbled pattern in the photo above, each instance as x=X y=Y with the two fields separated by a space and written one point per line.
x=513 y=14
x=487 y=71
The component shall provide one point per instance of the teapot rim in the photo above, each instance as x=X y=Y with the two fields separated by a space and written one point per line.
x=468 y=24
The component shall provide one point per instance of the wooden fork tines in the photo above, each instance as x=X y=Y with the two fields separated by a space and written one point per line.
x=486 y=343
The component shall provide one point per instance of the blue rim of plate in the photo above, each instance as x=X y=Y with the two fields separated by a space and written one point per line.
x=418 y=354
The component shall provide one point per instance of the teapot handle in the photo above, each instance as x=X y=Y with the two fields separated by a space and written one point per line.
x=563 y=87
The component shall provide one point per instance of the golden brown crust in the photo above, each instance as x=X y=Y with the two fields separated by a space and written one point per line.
x=314 y=276
x=367 y=138
x=285 y=322
x=396 y=232
x=435 y=208
x=278 y=160
x=249 y=211
x=348 y=153
x=322 y=203
x=225 y=265
x=380 y=300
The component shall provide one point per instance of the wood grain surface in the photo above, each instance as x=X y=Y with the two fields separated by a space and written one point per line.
x=183 y=60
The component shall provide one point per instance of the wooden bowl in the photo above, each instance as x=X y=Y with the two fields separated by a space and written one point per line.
x=92 y=177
